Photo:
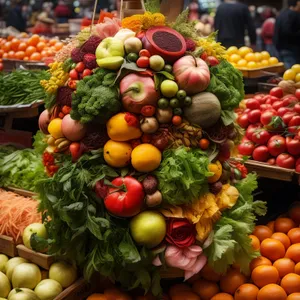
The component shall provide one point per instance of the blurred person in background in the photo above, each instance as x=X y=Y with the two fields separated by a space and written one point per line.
x=287 y=34
x=232 y=19
x=194 y=10
x=15 y=16
x=45 y=20
x=62 y=12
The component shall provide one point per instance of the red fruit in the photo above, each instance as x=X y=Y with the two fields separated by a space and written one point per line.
x=261 y=153
x=251 y=129
x=72 y=84
x=212 y=61
x=283 y=110
x=285 y=160
x=252 y=104
x=277 y=104
x=73 y=74
x=271 y=161
x=86 y=72
x=77 y=55
x=246 y=148
x=80 y=67
x=261 y=136
x=264 y=107
x=177 y=120
x=204 y=56
x=260 y=98
x=144 y=52
x=295 y=121
x=254 y=116
x=276 y=145
x=75 y=151
x=293 y=146
x=143 y=62
x=297 y=107
x=277 y=92
x=288 y=116
x=274 y=99
x=90 y=61
x=290 y=101
x=297 y=94
x=242 y=120
x=266 y=117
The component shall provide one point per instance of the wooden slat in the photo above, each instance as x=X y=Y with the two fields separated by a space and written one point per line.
x=7 y=246
x=21 y=191
x=40 y=259
x=78 y=290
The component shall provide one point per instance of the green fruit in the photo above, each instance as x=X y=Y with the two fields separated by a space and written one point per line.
x=168 y=68
x=174 y=103
x=132 y=57
x=188 y=101
x=111 y=63
x=73 y=66
x=169 y=88
x=157 y=63
x=177 y=111
x=163 y=103
x=181 y=95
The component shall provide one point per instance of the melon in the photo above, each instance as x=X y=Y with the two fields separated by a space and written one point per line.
x=166 y=42
x=205 y=110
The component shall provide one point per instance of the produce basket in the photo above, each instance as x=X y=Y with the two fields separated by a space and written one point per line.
x=14 y=64
x=8 y=246
x=260 y=72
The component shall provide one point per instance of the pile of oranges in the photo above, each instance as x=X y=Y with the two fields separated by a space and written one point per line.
x=33 y=48
x=244 y=57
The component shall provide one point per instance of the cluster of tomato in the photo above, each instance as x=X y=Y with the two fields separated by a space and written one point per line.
x=272 y=124
x=34 y=48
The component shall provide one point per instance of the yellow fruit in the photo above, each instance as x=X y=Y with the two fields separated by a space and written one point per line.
x=119 y=130
x=258 y=56
x=234 y=58
x=234 y=64
x=117 y=154
x=296 y=68
x=265 y=55
x=289 y=75
x=145 y=158
x=259 y=64
x=250 y=57
x=297 y=79
x=265 y=63
x=242 y=63
x=54 y=128
x=243 y=51
x=251 y=65
x=273 y=61
x=232 y=50
x=216 y=168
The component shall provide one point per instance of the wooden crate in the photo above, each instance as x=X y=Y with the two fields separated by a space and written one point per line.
x=14 y=64
x=79 y=290
x=261 y=72
x=8 y=246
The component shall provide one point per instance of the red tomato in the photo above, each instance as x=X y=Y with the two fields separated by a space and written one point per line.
x=298 y=162
x=290 y=101
x=125 y=201
x=264 y=107
x=261 y=137
x=274 y=99
x=293 y=145
x=242 y=120
x=261 y=153
x=287 y=117
x=271 y=161
x=252 y=104
x=276 y=145
x=260 y=98
x=285 y=160
x=297 y=107
x=144 y=52
x=297 y=169
x=254 y=116
x=266 y=117
x=75 y=151
x=246 y=148
x=269 y=101
x=277 y=104
x=212 y=61
x=283 y=110
x=73 y=74
x=86 y=72
x=251 y=129
x=295 y=121
x=143 y=62
x=277 y=92
x=80 y=67
x=247 y=110
x=294 y=130
x=297 y=94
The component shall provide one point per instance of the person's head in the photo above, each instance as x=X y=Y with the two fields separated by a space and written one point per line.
x=294 y=4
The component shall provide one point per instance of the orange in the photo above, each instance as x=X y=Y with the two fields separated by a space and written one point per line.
x=243 y=51
x=252 y=65
x=262 y=232
x=208 y=273
x=222 y=296
x=272 y=292
x=40 y=46
x=284 y=225
x=294 y=253
x=259 y=261
x=258 y=56
x=234 y=58
x=291 y=283
x=231 y=281
x=58 y=46
x=30 y=50
x=263 y=275
x=181 y=287
x=272 y=249
x=22 y=46
x=232 y=50
x=146 y=297
x=246 y=291
x=52 y=42
x=113 y=294
x=186 y=295
x=15 y=44
x=294 y=235
x=250 y=57
x=34 y=40
x=273 y=61
x=264 y=63
x=1 y=53
x=5 y=55
x=205 y=289
x=294 y=296
x=284 y=266
x=20 y=55
x=297 y=268
x=54 y=128
x=116 y=154
x=283 y=238
x=35 y=56
x=10 y=37
x=242 y=63
x=97 y=297
x=26 y=58
x=11 y=54
x=265 y=55
x=254 y=242
x=7 y=46
x=294 y=213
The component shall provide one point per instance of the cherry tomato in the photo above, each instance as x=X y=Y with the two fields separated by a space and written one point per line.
x=143 y=62
x=251 y=129
x=283 y=110
x=266 y=117
x=176 y=120
x=295 y=121
x=271 y=161
x=252 y=104
x=287 y=117
x=80 y=67
x=144 y=52
x=285 y=160
x=261 y=136
x=246 y=148
x=204 y=144
x=242 y=120
x=277 y=92
x=212 y=61
x=297 y=94
x=297 y=107
x=261 y=153
x=73 y=74
x=86 y=72
x=254 y=116
x=276 y=145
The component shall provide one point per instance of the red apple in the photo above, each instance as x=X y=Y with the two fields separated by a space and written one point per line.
x=44 y=121
x=138 y=91
x=192 y=74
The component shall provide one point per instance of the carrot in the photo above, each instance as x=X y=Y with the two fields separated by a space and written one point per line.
x=16 y=213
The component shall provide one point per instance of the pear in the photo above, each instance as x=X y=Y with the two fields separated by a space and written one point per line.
x=111 y=63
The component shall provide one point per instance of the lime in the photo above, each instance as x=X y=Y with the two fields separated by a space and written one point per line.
x=181 y=94
x=188 y=101
x=177 y=111
x=168 y=68
x=163 y=103
x=174 y=103
x=132 y=57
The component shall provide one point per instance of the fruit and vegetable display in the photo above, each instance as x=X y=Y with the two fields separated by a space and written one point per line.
x=291 y=80
x=22 y=87
x=246 y=58
x=272 y=128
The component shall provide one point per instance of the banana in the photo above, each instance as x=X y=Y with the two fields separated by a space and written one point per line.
x=63 y=145
x=60 y=140
x=51 y=141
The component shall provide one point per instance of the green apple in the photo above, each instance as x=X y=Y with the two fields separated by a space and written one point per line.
x=148 y=228
x=110 y=47
x=169 y=88
x=133 y=45
x=63 y=273
x=3 y=261
x=26 y=275
x=12 y=264
x=111 y=63
x=4 y=285
x=157 y=63
x=37 y=228
x=48 y=289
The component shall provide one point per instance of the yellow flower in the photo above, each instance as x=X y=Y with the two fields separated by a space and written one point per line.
x=211 y=47
x=227 y=197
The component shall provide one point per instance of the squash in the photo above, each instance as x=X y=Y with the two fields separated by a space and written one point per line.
x=205 y=110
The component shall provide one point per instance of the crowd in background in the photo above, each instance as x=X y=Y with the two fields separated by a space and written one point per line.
x=262 y=28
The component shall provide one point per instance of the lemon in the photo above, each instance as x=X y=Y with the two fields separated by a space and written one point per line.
x=54 y=128
x=232 y=50
x=251 y=65
x=297 y=79
x=250 y=57
x=234 y=64
x=234 y=58
x=296 y=68
x=289 y=75
x=242 y=63
x=243 y=51
x=265 y=55
x=259 y=64
x=258 y=56
x=273 y=61
x=117 y=154
x=265 y=63
x=145 y=158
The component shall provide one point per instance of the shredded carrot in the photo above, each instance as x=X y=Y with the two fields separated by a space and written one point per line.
x=16 y=213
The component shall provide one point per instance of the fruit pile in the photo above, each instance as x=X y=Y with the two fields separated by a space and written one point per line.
x=272 y=124
x=293 y=73
x=245 y=58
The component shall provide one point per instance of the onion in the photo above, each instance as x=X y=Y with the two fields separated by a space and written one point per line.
x=44 y=121
x=73 y=130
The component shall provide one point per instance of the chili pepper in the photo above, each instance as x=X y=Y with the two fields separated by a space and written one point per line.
x=66 y=109
x=132 y=120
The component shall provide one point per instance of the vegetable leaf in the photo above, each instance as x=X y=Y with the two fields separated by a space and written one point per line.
x=228 y=117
